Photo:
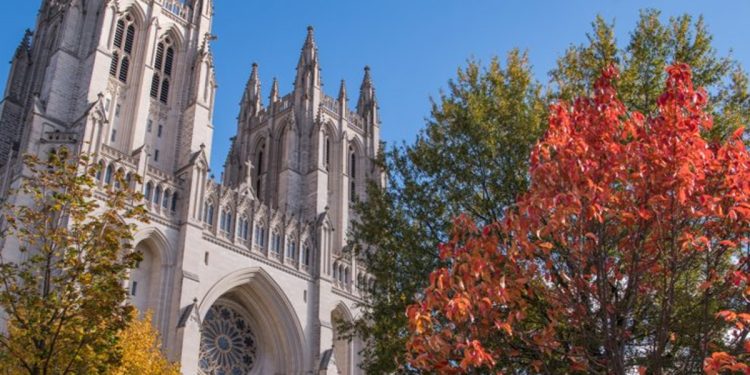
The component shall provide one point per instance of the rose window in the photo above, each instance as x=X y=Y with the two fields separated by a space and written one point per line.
x=228 y=345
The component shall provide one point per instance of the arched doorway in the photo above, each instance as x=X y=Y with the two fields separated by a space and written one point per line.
x=248 y=326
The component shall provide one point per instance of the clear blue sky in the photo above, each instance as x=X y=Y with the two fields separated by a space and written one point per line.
x=413 y=46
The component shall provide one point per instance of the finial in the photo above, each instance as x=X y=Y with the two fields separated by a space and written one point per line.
x=310 y=40
x=274 y=90
x=342 y=90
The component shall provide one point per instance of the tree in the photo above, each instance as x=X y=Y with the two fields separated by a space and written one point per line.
x=62 y=291
x=482 y=130
x=628 y=252
x=653 y=46
x=141 y=350
x=479 y=135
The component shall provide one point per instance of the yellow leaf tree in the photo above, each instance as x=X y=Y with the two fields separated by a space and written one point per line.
x=141 y=350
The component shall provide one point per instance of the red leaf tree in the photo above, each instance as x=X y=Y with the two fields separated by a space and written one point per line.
x=628 y=253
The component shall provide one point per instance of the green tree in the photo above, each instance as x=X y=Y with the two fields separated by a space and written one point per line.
x=653 y=46
x=482 y=130
x=472 y=156
x=62 y=292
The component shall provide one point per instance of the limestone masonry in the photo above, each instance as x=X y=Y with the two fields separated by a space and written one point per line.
x=245 y=275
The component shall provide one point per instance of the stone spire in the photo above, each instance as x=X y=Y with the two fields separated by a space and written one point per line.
x=274 y=97
x=343 y=99
x=251 y=99
x=342 y=90
x=309 y=54
x=367 y=101
x=308 y=70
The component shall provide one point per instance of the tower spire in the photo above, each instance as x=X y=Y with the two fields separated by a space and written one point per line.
x=309 y=50
x=342 y=90
x=274 y=97
x=367 y=101
x=308 y=70
x=252 y=94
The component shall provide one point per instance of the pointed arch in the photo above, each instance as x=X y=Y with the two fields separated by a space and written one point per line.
x=278 y=325
x=342 y=345
x=288 y=144
x=158 y=239
x=148 y=282
x=176 y=35
x=138 y=13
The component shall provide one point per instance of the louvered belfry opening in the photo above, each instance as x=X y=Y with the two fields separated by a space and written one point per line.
x=123 y=46
x=163 y=64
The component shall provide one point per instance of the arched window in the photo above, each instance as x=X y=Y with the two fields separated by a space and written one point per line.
x=291 y=248
x=226 y=220
x=163 y=64
x=123 y=47
x=259 y=182
x=276 y=242
x=174 y=202
x=157 y=196
x=165 y=200
x=100 y=170
x=244 y=228
x=149 y=191
x=306 y=255
x=109 y=174
x=208 y=213
x=352 y=174
x=119 y=175
x=129 y=180
x=327 y=152
x=260 y=235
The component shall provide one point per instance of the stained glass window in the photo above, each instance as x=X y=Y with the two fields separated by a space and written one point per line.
x=228 y=345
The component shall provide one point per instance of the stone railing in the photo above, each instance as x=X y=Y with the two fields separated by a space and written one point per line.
x=284 y=103
x=356 y=120
x=118 y=156
x=160 y=197
x=330 y=104
x=177 y=8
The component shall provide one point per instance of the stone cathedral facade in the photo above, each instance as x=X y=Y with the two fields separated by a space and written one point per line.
x=246 y=275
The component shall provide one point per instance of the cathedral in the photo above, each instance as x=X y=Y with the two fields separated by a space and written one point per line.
x=246 y=275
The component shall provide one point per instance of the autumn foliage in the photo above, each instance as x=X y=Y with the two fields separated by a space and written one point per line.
x=141 y=350
x=628 y=253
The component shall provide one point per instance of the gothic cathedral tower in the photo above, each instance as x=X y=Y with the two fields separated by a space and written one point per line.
x=245 y=275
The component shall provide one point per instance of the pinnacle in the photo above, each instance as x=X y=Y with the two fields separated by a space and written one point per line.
x=310 y=40
x=366 y=80
x=274 y=90
x=342 y=90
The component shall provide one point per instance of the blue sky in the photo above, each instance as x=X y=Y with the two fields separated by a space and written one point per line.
x=413 y=46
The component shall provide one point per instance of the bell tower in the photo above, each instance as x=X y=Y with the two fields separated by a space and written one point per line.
x=122 y=75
